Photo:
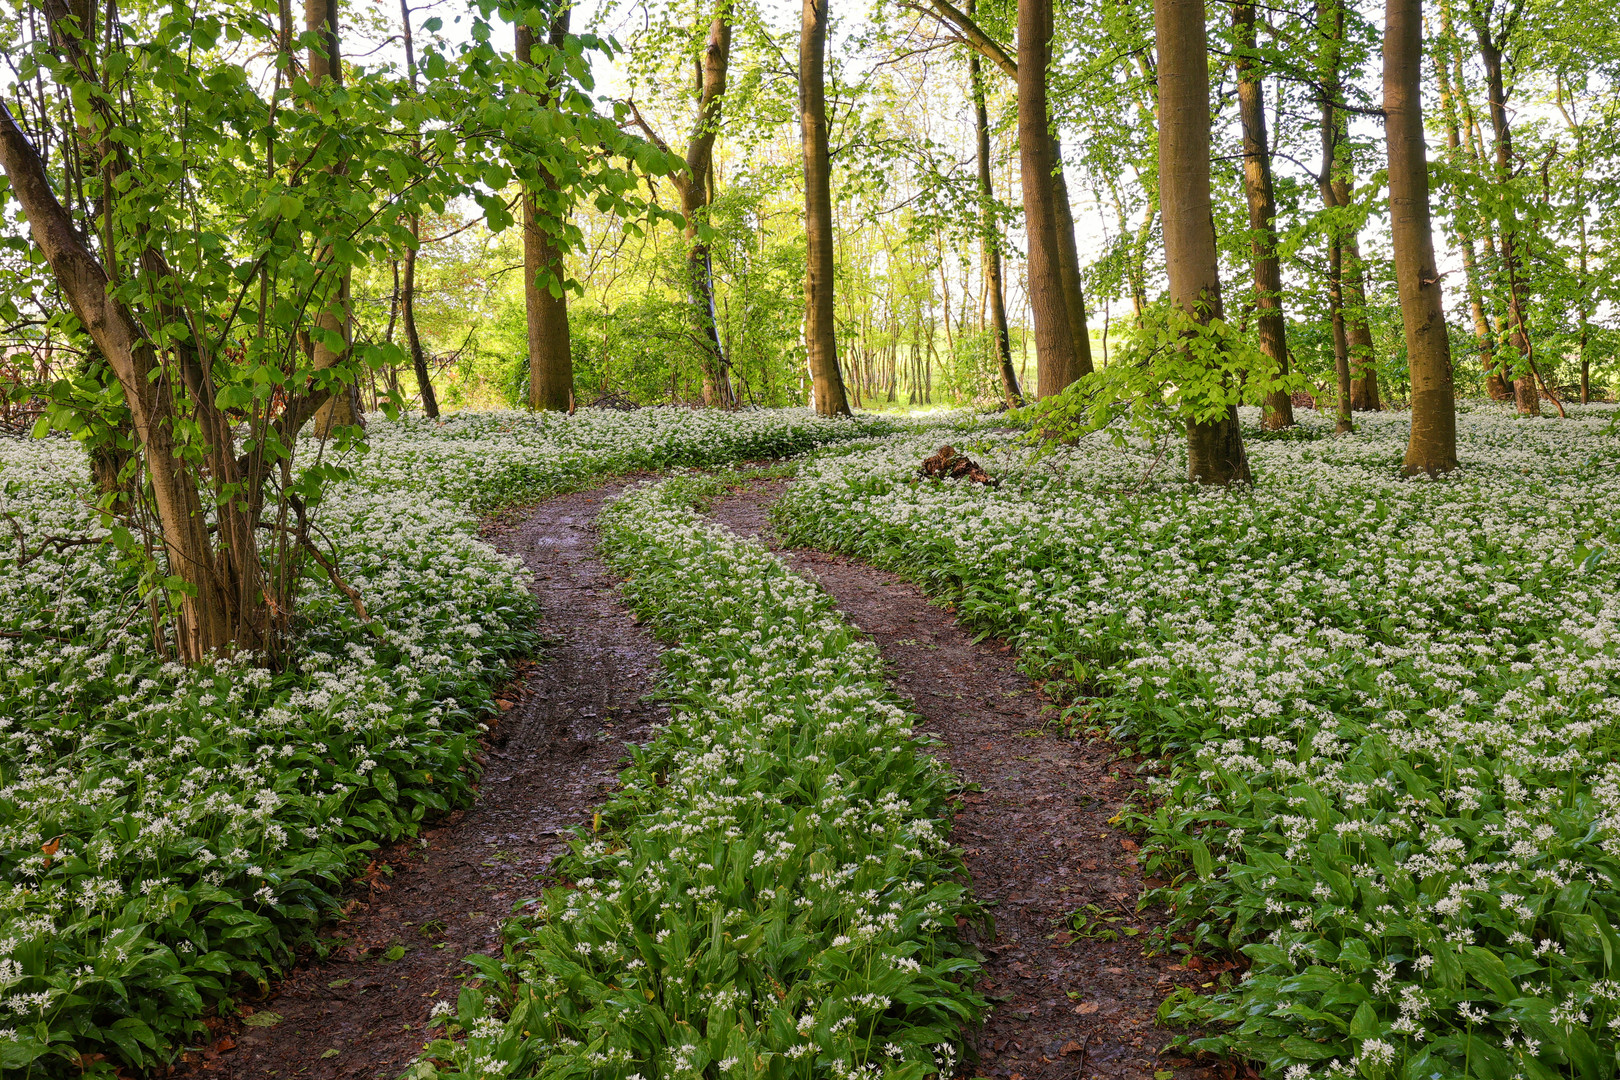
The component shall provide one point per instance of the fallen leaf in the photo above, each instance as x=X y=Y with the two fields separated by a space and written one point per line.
x=1128 y=845
x=1086 y=1008
x=1072 y=1047
x=504 y=705
x=50 y=848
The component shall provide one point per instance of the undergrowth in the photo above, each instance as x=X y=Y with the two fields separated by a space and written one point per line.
x=1386 y=709
x=771 y=893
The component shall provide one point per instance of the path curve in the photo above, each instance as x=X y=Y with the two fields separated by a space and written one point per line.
x=555 y=754
x=1036 y=836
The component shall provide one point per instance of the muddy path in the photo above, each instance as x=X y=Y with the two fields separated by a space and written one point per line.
x=1036 y=835
x=363 y=1011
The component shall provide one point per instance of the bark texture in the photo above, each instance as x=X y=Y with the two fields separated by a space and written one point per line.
x=1334 y=184
x=334 y=321
x=413 y=341
x=551 y=357
x=820 y=332
x=1262 y=201
x=1215 y=447
x=697 y=194
x=226 y=606
x=1445 y=57
x=1490 y=55
x=1432 y=448
x=990 y=238
x=1056 y=363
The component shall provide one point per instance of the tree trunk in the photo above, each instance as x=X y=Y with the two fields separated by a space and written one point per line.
x=1334 y=186
x=224 y=606
x=1446 y=55
x=413 y=342
x=697 y=195
x=334 y=322
x=407 y=299
x=1358 y=327
x=1583 y=281
x=990 y=237
x=1257 y=190
x=1069 y=262
x=1432 y=448
x=545 y=297
x=820 y=332
x=1490 y=54
x=1343 y=423
x=1215 y=452
x=1055 y=346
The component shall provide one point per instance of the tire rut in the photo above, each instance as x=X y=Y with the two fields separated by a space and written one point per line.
x=552 y=757
x=1035 y=834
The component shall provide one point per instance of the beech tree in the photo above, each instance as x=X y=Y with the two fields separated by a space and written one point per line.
x=1262 y=203
x=696 y=187
x=820 y=332
x=407 y=290
x=1057 y=300
x=1432 y=447
x=990 y=234
x=1492 y=34
x=1215 y=453
x=545 y=277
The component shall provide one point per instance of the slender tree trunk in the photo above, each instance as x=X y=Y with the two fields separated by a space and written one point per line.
x=224 y=606
x=407 y=298
x=820 y=332
x=1257 y=190
x=1055 y=346
x=1445 y=53
x=1215 y=453
x=990 y=237
x=551 y=355
x=413 y=341
x=1432 y=448
x=1490 y=54
x=697 y=195
x=1343 y=423
x=1335 y=185
x=334 y=323
x=1583 y=281
x=1364 y=395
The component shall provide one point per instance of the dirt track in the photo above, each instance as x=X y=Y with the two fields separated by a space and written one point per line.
x=555 y=753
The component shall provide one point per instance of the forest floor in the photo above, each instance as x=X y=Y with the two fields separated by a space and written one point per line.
x=1071 y=1002
x=363 y=1010
x=1035 y=833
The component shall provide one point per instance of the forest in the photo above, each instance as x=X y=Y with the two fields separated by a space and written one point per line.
x=888 y=541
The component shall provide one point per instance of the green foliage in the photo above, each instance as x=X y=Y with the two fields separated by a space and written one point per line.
x=1173 y=370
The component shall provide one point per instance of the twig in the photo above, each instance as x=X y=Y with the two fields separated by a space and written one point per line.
x=61 y=543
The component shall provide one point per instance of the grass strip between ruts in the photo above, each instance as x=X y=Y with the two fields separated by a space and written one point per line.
x=771 y=893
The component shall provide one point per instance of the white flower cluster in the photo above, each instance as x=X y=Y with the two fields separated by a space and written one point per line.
x=772 y=891
x=1389 y=710
x=168 y=832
